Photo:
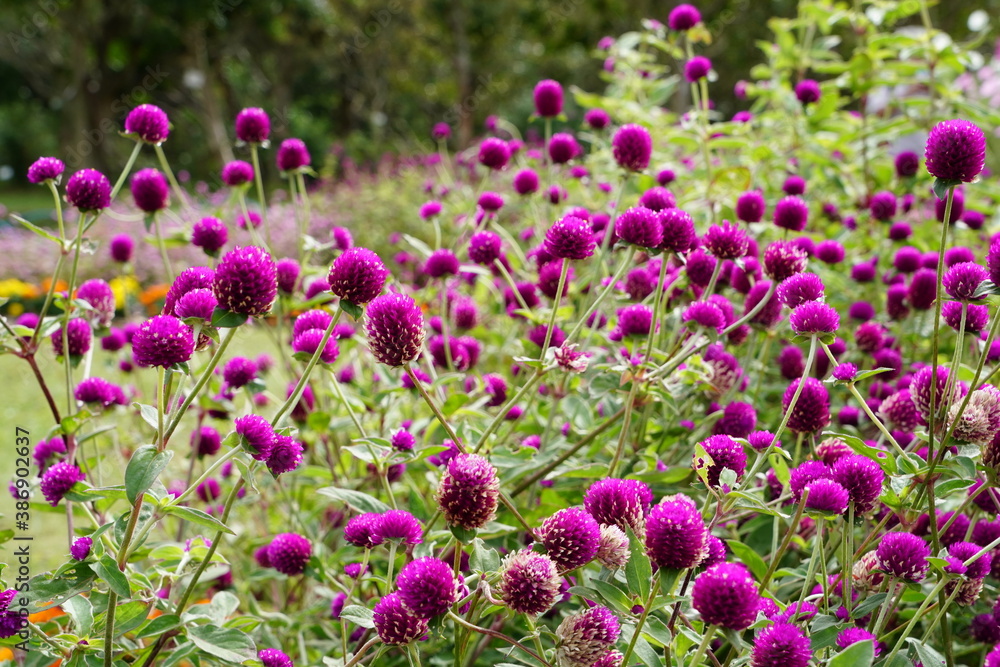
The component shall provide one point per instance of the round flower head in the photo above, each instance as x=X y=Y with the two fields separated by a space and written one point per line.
x=292 y=155
x=80 y=548
x=210 y=235
x=826 y=495
x=851 y=636
x=198 y=303
x=101 y=298
x=89 y=190
x=288 y=553
x=362 y=530
x=395 y=623
x=683 y=17
x=197 y=277
x=620 y=502
x=676 y=535
x=725 y=453
x=395 y=329
x=597 y=119
x=738 y=420
x=150 y=190
x=613 y=548
x=237 y=172
x=494 y=153
x=956 y=151
x=727 y=241
x=781 y=645
x=570 y=238
x=800 y=289
x=632 y=147
x=529 y=582
x=358 y=275
x=491 y=202
x=920 y=389
x=904 y=555
x=121 y=247
x=639 y=226
x=399 y=525
x=770 y=312
x=253 y=126
x=726 y=594
x=97 y=391
x=794 y=185
x=807 y=91
x=571 y=537
x=58 y=480
x=814 y=317
x=583 y=638
x=634 y=320
x=257 y=435
x=440 y=263
x=980 y=421
x=239 y=371
x=205 y=441
x=783 y=259
x=162 y=341
x=750 y=206
x=921 y=291
x=46 y=449
x=309 y=341
x=288 y=271
x=907 y=163
x=962 y=279
x=678 y=230
x=812 y=410
x=272 y=657
x=976 y=316
x=548 y=98
x=148 y=123
x=883 y=205
x=526 y=182
x=563 y=147
x=791 y=213
x=45 y=169
x=427 y=587
x=697 y=68
x=469 y=491
x=246 y=281
x=311 y=319
x=657 y=199
x=830 y=252
x=706 y=315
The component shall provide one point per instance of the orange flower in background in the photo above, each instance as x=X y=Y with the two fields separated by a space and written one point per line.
x=152 y=296
x=47 y=615
x=6 y=654
x=61 y=286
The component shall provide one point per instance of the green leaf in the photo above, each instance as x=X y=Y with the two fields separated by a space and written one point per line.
x=613 y=595
x=360 y=616
x=870 y=604
x=46 y=593
x=225 y=319
x=226 y=644
x=927 y=655
x=82 y=613
x=198 y=517
x=638 y=572
x=130 y=616
x=358 y=501
x=860 y=654
x=352 y=309
x=159 y=625
x=942 y=185
x=748 y=557
x=886 y=462
x=107 y=570
x=148 y=414
x=143 y=468
x=463 y=535
x=36 y=229
x=483 y=557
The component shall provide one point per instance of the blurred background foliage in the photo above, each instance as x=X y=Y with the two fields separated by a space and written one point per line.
x=353 y=78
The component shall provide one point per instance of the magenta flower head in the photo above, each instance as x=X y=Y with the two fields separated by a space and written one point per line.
x=205 y=441
x=162 y=341
x=79 y=337
x=632 y=146
x=781 y=645
x=812 y=411
x=45 y=169
x=209 y=234
x=148 y=123
x=922 y=289
x=80 y=548
x=395 y=623
x=246 y=281
x=469 y=492
x=571 y=537
x=58 y=480
x=427 y=587
x=395 y=329
x=239 y=372
x=657 y=199
x=97 y=391
x=676 y=535
x=548 y=98
x=862 y=477
x=783 y=259
x=563 y=147
x=272 y=657
x=526 y=182
x=89 y=190
x=583 y=638
x=293 y=155
x=725 y=453
x=286 y=455
x=440 y=131
x=288 y=553
x=814 y=317
x=288 y=271
x=597 y=119
x=253 y=126
x=256 y=435
x=678 y=230
x=907 y=163
x=494 y=153
x=309 y=341
x=791 y=213
x=800 y=289
x=726 y=594
x=956 y=151
x=807 y=91
x=121 y=247
x=883 y=205
x=362 y=530
x=706 y=315
x=484 y=247
x=697 y=68
x=619 y=502
x=683 y=17
x=727 y=241
x=529 y=582
x=358 y=275
x=904 y=555
x=920 y=389
x=570 y=238
x=194 y=278
x=101 y=298
x=237 y=172
x=150 y=190
x=962 y=279
x=639 y=226
x=853 y=635
x=826 y=495
x=750 y=206
x=442 y=262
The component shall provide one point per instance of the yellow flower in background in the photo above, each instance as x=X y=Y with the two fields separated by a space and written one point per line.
x=14 y=288
x=122 y=286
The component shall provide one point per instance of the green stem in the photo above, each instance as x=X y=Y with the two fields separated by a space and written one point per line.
x=125 y=172
x=702 y=647
x=259 y=181
x=773 y=565
x=555 y=309
x=492 y=633
x=810 y=360
x=647 y=605
x=296 y=394
x=163 y=248
x=109 y=628
x=206 y=374
x=916 y=617
x=170 y=176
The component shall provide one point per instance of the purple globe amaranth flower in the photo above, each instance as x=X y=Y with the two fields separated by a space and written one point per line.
x=46 y=449
x=639 y=226
x=148 y=123
x=683 y=17
x=526 y=182
x=399 y=525
x=529 y=582
x=239 y=372
x=441 y=263
x=883 y=205
x=395 y=623
x=427 y=587
x=613 y=549
x=807 y=91
x=150 y=190
x=402 y=440
x=358 y=275
x=657 y=199
x=469 y=492
x=726 y=595
x=256 y=434
x=783 y=259
x=620 y=502
x=288 y=271
x=830 y=252
x=209 y=234
x=811 y=411
x=726 y=453
x=597 y=119
x=197 y=277
x=781 y=645
x=849 y=636
x=362 y=530
x=583 y=638
x=814 y=317
x=976 y=316
x=800 y=289
x=162 y=341
x=955 y=151
x=198 y=303
x=548 y=96
x=80 y=549
x=962 y=279
x=205 y=441
x=826 y=495
x=696 y=68
x=292 y=155
x=309 y=341
x=632 y=147
x=97 y=390
x=99 y=295
x=563 y=147
x=272 y=657
x=920 y=389
x=845 y=372
x=491 y=202
x=791 y=213
x=286 y=455
x=922 y=289
x=706 y=315
x=750 y=206
x=237 y=172
x=737 y=421
x=246 y=281
x=121 y=247
x=570 y=238
x=634 y=320
x=89 y=190
x=676 y=535
x=253 y=125
x=288 y=553
x=58 y=480
x=311 y=319
x=904 y=555
x=770 y=313
x=494 y=153
x=794 y=185
x=907 y=163
x=727 y=241
x=45 y=169
x=980 y=421
x=395 y=329
x=571 y=537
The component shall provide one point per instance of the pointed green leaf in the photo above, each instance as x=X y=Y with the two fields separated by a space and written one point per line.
x=143 y=468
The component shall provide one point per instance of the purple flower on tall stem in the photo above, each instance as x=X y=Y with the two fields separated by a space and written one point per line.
x=293 y=155
x=58 y=480
x=394 y=325
x=253 y=125
x=469 y=491
x=726 y=595
x=570 y=238
x=584 y=637
x=812 y=409
x=529 y=582
x=246 y=281
x=395 y=623
x=237 y=172
x=676 y=535
x=904 y=555
x=45 y=169
x=548 y=98
x=955 y=151
x=571 y=537
x=781 y=645
x=427 y=587
x=162 y=341
x=683 y=17
x=89 y=190
x=150 y=190
x=358 y=275
x=148 y=123
x=632 y=147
